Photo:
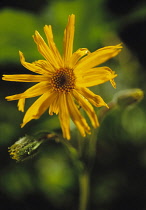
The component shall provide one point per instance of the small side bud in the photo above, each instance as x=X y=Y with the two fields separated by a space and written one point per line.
x=28 y=146
x=128 y=97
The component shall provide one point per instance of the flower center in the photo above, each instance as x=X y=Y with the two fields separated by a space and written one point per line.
x=63 y=80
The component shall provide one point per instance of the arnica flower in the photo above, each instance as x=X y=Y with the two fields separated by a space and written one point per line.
x=63 y=81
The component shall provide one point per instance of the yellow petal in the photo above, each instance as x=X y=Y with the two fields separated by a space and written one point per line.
x=64 y=116
x=95 y=76
x=76 y=56
x=44 y=49
x=96 y=100
x=31 y=66
x=113 y=83
x=87 y=107
x=98 y=57
x=38 y=107
x=49 y=35
x=68 y=40
x=54 y=107
x=45 y=65
x=21 y=104
x=25 y=78
x=77 y=118
x=33 y=91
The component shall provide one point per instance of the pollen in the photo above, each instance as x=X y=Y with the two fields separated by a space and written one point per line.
x=63 y=80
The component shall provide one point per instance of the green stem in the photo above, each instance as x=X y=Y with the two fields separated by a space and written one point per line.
x=84 y=189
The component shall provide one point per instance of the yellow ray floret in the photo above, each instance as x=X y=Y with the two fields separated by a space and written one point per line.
x=63 y=81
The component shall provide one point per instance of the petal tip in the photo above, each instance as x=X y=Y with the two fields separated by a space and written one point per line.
x=22 y=125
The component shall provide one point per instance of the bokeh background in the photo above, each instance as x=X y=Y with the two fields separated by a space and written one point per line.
x=49 y=180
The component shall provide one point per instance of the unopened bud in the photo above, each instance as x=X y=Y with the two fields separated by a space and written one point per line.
x=128 y=97
x=27 y=146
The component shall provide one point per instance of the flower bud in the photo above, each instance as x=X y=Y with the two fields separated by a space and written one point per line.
x=128 y=97
x=27 y=146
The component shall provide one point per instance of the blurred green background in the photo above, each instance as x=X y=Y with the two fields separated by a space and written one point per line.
x=49 y=180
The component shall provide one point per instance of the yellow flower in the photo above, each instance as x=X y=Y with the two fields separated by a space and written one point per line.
x=63 y=81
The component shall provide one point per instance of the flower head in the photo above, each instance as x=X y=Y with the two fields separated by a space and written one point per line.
x=27 y=146
x=24 y=148
x=63 y=81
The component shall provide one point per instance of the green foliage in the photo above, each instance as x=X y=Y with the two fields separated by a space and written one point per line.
x=17 y=28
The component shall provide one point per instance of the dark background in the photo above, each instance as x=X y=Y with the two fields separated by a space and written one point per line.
x=49 y=180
